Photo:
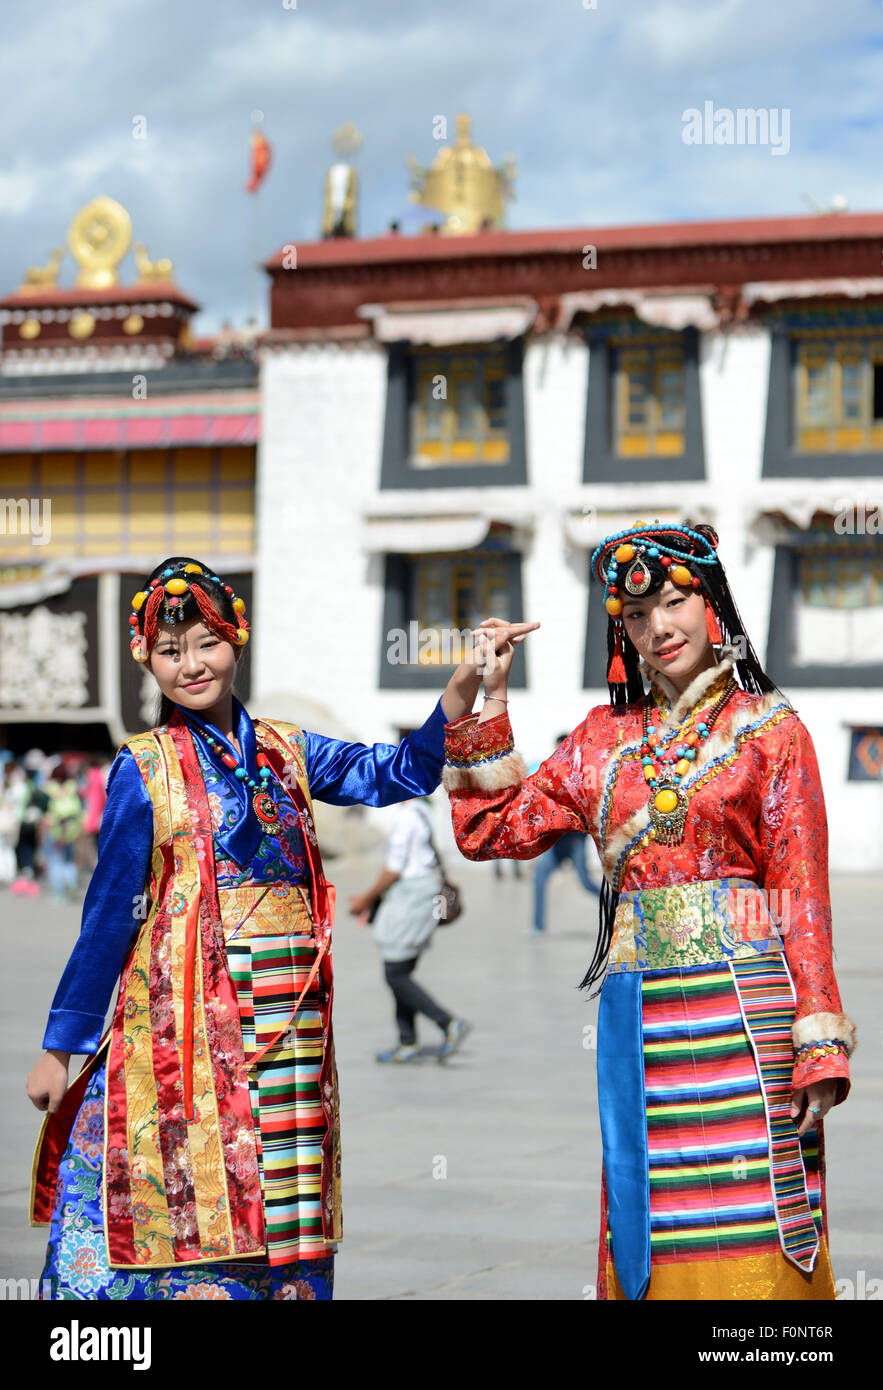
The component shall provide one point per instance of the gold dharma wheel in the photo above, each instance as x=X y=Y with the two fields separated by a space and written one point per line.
x=31 y=328
x=99 y=236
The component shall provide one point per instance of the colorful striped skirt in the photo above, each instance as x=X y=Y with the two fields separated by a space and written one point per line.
x=290 y=1113
x=76 y=1266
x=294 y=1132
x=708 y=1192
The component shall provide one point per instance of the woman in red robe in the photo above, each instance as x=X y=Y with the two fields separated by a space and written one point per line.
x=722 y=1042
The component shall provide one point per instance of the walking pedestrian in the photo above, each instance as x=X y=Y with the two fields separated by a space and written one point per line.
x=406 y=895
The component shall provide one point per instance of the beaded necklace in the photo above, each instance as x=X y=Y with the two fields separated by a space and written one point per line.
x=675 y=752
x=263 y=805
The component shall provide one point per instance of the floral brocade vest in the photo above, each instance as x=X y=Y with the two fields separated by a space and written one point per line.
x=181 y=1175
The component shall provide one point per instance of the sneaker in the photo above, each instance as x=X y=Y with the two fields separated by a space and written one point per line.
x=457 y=1032
x=405 y=1052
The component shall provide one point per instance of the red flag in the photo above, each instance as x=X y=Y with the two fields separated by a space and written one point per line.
x=261 y=154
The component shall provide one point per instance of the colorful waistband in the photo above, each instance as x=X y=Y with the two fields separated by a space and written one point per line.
x=712 y=921
x=265 y=909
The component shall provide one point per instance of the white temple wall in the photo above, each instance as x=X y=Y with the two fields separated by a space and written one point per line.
x=319 y=597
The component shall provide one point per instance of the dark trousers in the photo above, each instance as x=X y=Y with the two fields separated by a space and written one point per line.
x=411 y=1000
x=25 y=850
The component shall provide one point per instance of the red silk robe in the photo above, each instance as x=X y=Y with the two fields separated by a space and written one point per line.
x=756 y=811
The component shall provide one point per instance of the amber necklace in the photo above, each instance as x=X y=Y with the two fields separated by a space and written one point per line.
x=666 y=759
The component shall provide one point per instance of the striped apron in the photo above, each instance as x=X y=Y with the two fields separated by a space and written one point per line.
x=271 y=955
x=708 y=1191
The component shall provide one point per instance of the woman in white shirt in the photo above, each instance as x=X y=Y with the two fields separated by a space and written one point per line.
x=406 y=895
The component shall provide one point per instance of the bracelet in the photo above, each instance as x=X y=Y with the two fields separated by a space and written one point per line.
x=818 y=1051
x=497 y=698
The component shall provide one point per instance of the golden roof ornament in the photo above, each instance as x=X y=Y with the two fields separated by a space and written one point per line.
x=149 y=270
x=43 y=277
x=464 y=184
x=347 y=140
x=99 y=236
x=340 y=203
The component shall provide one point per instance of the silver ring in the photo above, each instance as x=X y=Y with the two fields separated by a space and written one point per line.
x=816 y=1109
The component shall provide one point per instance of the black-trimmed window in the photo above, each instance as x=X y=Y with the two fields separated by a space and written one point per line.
x=454 y=416
x=431 y=604
x=838 y=387
x=826 y=618
x=649 y=416
x=643 y=416
x=825 y=404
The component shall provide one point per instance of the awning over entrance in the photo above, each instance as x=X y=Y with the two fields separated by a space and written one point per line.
x=423 y=533
x=851 y=508
x=444 y=325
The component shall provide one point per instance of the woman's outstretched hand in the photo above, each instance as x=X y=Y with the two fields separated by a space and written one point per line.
x=489 y=659
x=47 y=1081
x=495 y=643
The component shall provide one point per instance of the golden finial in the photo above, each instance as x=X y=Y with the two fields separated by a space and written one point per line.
x=99 y=236
x=347 y=140
x=463 y=183
x=340 y=203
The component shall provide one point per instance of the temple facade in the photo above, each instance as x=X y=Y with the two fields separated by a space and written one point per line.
x=441 y=426
x=121 y=439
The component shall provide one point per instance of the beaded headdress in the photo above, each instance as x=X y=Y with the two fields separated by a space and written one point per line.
x=168 y=591
x=682 y=552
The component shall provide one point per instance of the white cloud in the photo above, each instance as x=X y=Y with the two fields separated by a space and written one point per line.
x=588 y=102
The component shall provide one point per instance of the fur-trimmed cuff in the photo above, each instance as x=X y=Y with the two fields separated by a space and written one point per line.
x=481 y=756
x=825 y=1027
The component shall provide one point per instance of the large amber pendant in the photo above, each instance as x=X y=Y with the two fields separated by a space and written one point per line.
x=668 y=814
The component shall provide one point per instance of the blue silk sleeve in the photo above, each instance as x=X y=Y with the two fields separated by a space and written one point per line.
x=347 y=774
x=110 y=917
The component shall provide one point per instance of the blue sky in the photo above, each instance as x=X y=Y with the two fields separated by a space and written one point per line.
x=589 y=102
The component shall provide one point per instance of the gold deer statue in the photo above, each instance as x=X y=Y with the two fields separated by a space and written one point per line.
x=38 y=277
x=148 y=269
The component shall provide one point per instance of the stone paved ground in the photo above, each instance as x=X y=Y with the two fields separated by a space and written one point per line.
x=478 y=1179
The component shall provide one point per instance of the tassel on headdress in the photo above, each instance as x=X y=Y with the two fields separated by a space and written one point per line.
x=616 y=669
x=712 y=626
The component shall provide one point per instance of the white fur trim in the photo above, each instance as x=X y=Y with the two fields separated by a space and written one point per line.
x=818 y=1027
x=718 y=743
x=681 y=704
x=491 y=776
